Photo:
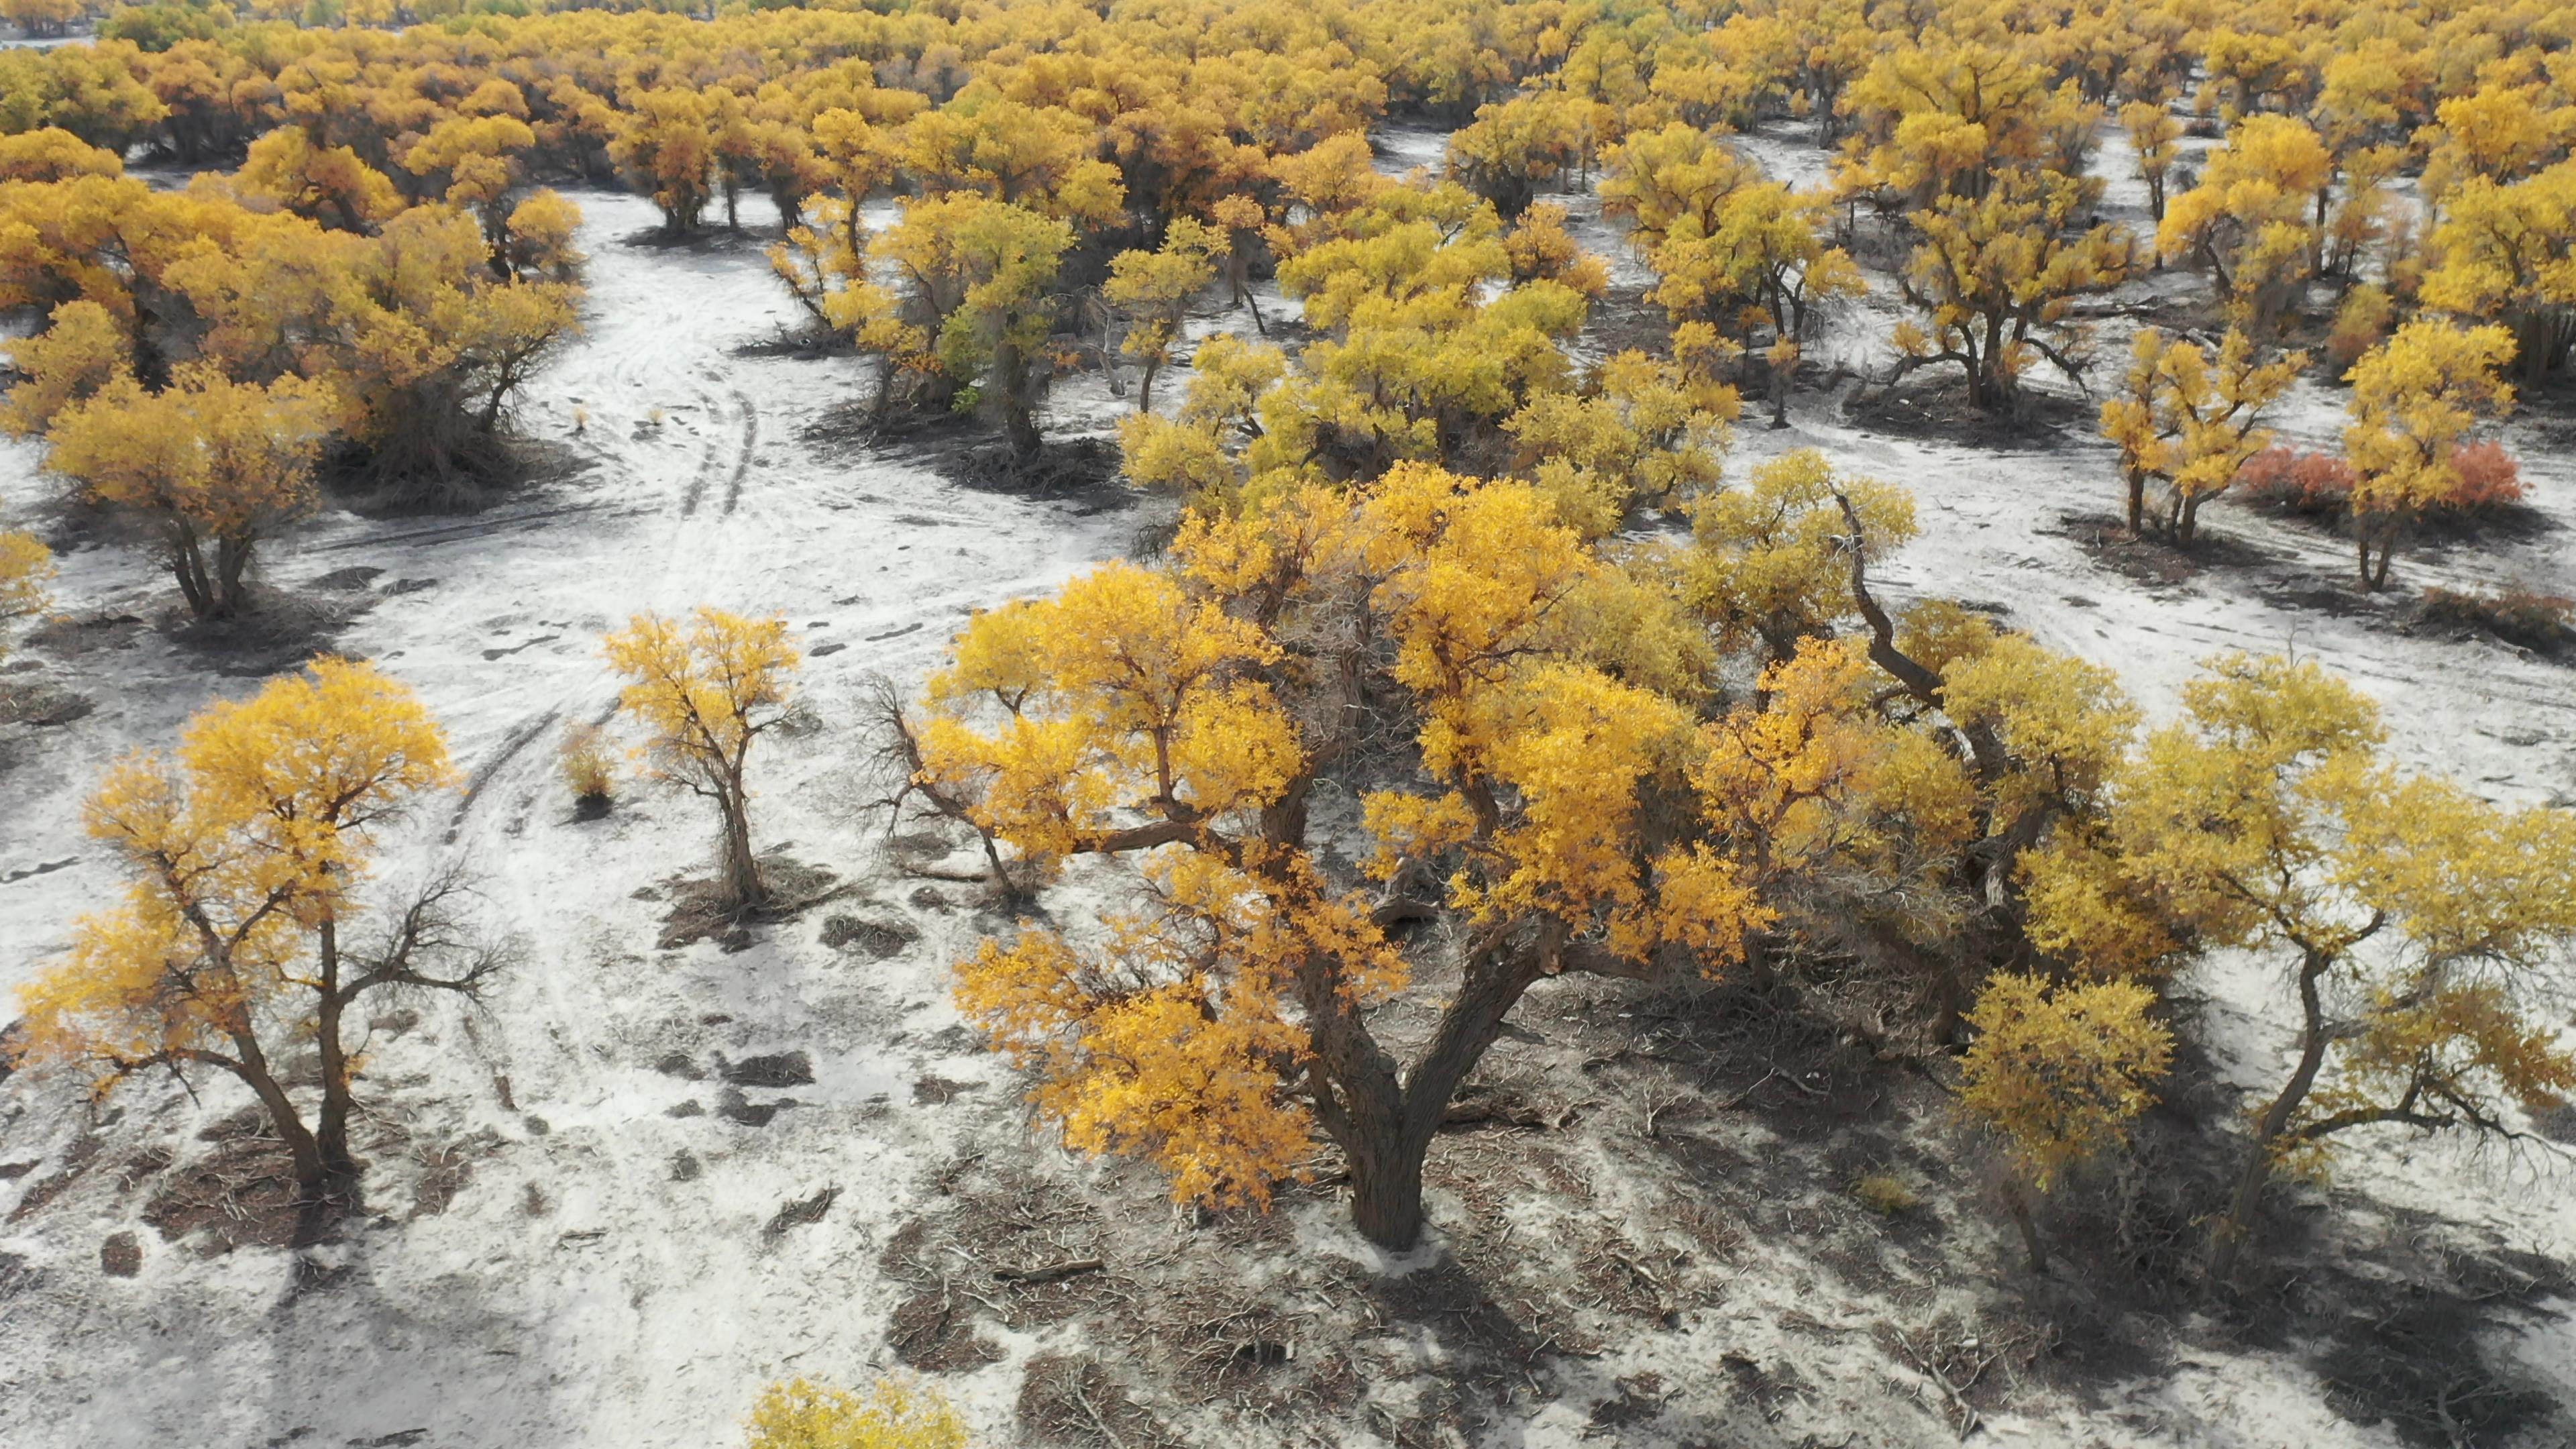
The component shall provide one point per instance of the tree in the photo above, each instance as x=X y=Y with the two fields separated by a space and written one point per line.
x=2256 y=221
x=1517 y=146
x=2152 y=133
x=983 y=277
x=2414 y=399
x=1184 y=716
x=26 y=569
x=1763 y=266
x=1770 y=562
x=2421 y=926
x=2508 y=253
x=246 y=856
x=703 y=691
x=54 y=154
x=2058 y=1073
x=1642 y=430
x=328 y=184
x=665 y=143
x=889 y=1414
x=1995 y=277
x=1154 y=290
x=1659 y=179
x=2188 y=418
x=211 y=465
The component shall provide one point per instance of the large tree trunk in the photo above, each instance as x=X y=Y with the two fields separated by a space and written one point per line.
x=312 y=1177
x=1019 y=410
x=738 y=872
x=1386 y=1190
x=2229 y=1239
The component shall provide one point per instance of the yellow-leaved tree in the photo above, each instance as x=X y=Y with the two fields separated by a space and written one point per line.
x=2058 y=1073
x=1153 y=290
x=26 y=570
x=2421 y=928
x=1183 y=717
x=2188 y=418
x=704 y=689
x=2414 y=399
x=246 y=856
x=1996 y=277
x=210 y=465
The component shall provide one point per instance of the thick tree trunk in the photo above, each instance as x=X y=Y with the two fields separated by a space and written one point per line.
x=2137 y=503
x=312 y=1176
x=738 y=872
x=1386 y=1190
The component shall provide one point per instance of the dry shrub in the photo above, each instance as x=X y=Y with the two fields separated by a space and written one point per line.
x=2515 y=613
x=1884 y=1193
x=589 y=770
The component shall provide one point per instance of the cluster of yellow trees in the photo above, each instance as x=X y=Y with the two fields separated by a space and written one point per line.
x=1401 y=577
x=1046 y=160
x=199 y=351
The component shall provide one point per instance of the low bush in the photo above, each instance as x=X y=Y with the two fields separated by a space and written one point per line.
x=2515 y=614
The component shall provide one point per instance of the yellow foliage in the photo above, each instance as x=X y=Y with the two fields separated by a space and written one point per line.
x=892 y=1413
x=1768 y=564
x=255 y=836
x=2060 y=1073
x=587 y=768
x=2414 y=399
x=2186 y=417
x=704 y=689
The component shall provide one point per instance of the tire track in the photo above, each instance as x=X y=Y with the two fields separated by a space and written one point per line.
x=511 y=744
x=750 y=444
x=708 y=462
x=459 y=532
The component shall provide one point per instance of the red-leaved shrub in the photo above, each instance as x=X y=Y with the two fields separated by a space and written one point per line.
x=2300 y=482
x=2321 y=483
x=2489 y=477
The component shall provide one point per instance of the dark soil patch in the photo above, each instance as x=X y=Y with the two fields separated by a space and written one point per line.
x=783 y=1069
x=697 y=914
x=276 y=631
x=242 y=1194
x=121 y=1255
x=800 y=1212
x=42 y=705
x=733 y=1106
x=45 y=1189
x=938 y=1091
x=1087 y=467
x=934 y=1331
x=1069 y=1400
x=2396 y=1330
x=2154 y=561
x=1933 y=405
x=70 y=636
x=881 y=937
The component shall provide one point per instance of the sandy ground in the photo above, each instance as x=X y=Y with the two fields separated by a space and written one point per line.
x=579 y=1236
